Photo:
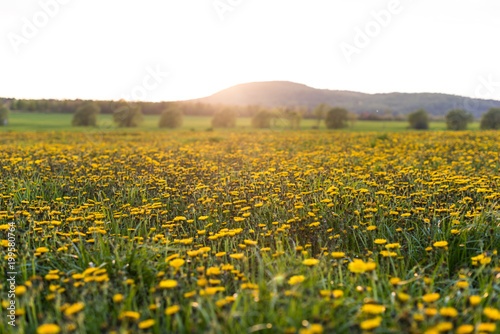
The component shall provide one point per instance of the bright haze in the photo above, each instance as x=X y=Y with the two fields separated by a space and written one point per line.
x=116 y=49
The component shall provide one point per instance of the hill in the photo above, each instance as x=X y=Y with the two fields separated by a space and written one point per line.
x=285 y=93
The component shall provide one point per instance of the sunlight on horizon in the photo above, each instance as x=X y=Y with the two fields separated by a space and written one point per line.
x=93 y=50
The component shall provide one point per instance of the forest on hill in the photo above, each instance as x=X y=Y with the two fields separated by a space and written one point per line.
x=247 y=99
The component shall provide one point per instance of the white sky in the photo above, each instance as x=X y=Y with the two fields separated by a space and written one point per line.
x=105 y=49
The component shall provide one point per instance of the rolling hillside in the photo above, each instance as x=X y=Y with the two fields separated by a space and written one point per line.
x=284 y=93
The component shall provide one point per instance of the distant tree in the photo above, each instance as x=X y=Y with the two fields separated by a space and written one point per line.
x=336 y=118
x=399 y=117
x=171 y=118
x=279 y=117
x=32 y=105
x=491 y=119
x=4 y=115
x=320 y=112
x=127 y=115
x=13 y=105
x=262 y=119
x=86 y=115
x=353 y=117
x=388 y=114
x=457 y=119
x=225 y=118
x=21 y=105
x=293 y=117
x=419 y=119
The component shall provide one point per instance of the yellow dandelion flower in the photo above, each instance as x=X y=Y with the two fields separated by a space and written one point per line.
x=403 y=297
x=492 y=313
x=20 y=290
x=371 y=323
x=486 y=327
x=172 y=310
x=167 y=284
x=444 y=326
x=296 y=279
x=117 y=298
x=338 y=255
x=130 y=314
x=338 y=293
x=474 y=300
x=146 y=324
x=75 y=308
x=48 y=329
x=373 y=309
x=177 y=263
x=310 y=262
x=395 y=280
x=430 y=312
x=359 y=266
x=237 y=256
x=440 y=244
x=448 y=312
x=430 y=297
x=465 y=329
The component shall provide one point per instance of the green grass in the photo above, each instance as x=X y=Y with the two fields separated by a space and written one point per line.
x=250 y=232
x=62 y=122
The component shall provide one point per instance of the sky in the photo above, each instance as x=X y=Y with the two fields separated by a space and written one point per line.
x=166 y=50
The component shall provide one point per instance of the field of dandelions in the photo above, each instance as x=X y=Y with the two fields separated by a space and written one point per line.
x=264 y=232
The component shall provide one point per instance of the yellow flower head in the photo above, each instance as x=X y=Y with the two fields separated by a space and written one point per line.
x=448 y=312
x=310 y=262
x=440 y=244
x=172 y=310
x=359 y=266
x=430 y=297
x=474 y=300
x=75 y=308
x=48 y=329
x=372 y=309
x=465 y=329
x=338 y=255
x=117 y=298
x=130 y=314
x=176 y=263
x=371 y=323
x=237 y=256
x=167 y=284
x=146 y=324
x=296 y=279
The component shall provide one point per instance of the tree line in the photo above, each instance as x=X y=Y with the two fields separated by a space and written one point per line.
x=456 y=119
x=147 y=108
x=127 y=114
x=130 y=115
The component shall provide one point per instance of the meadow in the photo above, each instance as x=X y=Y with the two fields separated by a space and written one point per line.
x=250 y=231
x=22 y=121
